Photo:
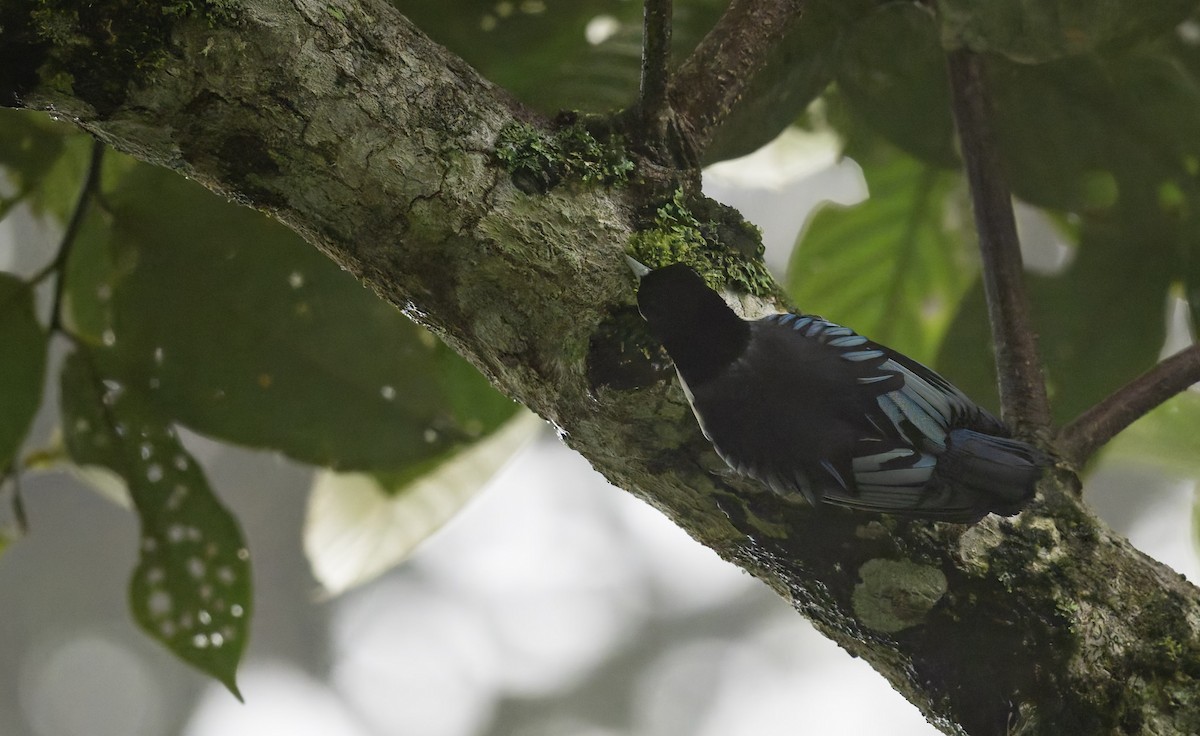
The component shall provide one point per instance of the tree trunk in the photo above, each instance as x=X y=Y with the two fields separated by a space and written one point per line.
x=346 y=123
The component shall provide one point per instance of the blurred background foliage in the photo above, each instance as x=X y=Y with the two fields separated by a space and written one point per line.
x=179 y=309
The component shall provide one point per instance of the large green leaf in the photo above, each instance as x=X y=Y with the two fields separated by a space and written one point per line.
x=1104 y=320
x=1039 y=30
x=43 y=159
x=191 y=589
x=1167 y=438
x=1076 y=134
x=29 y=145
x=22 y=367
x=1100 y=322
x=360 y=525
x=895 y=266
x=245 y=333
x=539 y=50
x=1084 y=133
x=605 y=76
x=892 y=75
x=93 y=273
x=966 y=355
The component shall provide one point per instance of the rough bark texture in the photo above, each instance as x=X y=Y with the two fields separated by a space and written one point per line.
x=375 y=144
x=713 y=79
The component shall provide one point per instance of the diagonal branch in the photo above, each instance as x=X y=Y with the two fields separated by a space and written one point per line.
x=378 y=146
x=711 y=81
x=1089 y=431
x=1022 y=388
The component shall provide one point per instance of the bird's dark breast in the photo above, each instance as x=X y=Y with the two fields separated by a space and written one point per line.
x=785 y=408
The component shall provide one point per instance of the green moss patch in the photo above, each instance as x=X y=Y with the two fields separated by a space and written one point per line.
x=711 y=238
x=539 y=160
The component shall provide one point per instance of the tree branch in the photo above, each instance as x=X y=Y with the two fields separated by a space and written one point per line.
x=377 y=145
x=709 y=83
x=1022 y=387
x=656 y=57
x=1089 y=431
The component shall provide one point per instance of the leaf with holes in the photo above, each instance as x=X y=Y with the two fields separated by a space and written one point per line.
x=191 y=589
x=895 y=266
x=23 y=365
x=249 y=335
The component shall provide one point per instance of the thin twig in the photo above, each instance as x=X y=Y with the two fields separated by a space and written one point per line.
x=12 y=472
x=707 y=86
x=656 y=58
x=58 y=266
x=1092 y=429
x=1022 y=388
x=18 y=506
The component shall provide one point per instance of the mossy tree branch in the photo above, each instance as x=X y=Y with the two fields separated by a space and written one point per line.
x=378 y=147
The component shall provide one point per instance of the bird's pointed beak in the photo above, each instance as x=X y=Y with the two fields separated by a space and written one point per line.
x=639 y=269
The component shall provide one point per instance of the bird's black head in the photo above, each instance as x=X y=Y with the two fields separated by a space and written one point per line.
x=698 y=329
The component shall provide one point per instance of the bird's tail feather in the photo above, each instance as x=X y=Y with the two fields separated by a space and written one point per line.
x=1001 y=473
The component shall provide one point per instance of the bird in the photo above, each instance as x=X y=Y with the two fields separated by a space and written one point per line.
x=815 y=411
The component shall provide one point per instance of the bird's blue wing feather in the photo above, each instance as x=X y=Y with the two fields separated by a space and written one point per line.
x=916 y=408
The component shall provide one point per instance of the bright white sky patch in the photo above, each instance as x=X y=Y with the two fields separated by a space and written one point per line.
x=280 y=699
x=794 y=155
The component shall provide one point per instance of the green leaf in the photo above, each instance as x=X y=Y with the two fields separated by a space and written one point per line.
x=966 y=356
x=29 y=145
x=540 y=52
x=1100 y=322
x=892 y=76
x=536 y=50
x=1167 y=438
x=22 y=368
x=44 y=159
x=604 y=77
x=895 y=266
x=1103 y=321
x=191 y=589
x=1085 y=133
x=93 y=274
x=1031 y=31
x=359 y=525
x=250 y=335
